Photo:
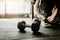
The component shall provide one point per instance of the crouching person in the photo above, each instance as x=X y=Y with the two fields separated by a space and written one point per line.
x=51 y=11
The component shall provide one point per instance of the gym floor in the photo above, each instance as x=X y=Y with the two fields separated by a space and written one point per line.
x=9 y=31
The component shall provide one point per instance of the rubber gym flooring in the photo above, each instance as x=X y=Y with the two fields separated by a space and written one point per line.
x=9 y=31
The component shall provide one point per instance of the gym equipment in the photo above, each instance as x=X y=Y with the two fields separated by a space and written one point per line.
x=34 y=27
x=21 y=25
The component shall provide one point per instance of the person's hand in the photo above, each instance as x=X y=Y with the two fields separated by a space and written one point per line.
x=41 y=17
x=50 y=18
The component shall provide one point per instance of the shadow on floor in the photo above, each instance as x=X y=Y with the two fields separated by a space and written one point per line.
x=22 y=31
x=36 y=34
x=39 y=34
x=53 y=27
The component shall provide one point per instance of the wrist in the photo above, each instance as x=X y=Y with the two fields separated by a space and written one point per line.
x=52 y=16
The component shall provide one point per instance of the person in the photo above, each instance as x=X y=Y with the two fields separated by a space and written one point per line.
x=51 y=11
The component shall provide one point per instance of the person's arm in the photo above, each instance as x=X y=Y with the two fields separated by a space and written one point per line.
x=37 y=6
x=38 y=2
x=54 y=12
